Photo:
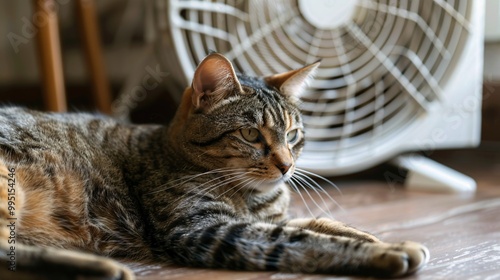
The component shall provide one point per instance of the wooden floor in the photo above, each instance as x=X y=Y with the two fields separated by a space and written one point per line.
x=462 y=231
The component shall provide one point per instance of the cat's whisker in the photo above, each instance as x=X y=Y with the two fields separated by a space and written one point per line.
x=206 y=188
x=301 y=183
x=223 y=183
x=243 y=184
x=214 y=171
x=238 y=174
x=185 y=179
x=311 y=183
x=209 y=188
x=188 y=178
x=304 y=182
x=305 y=172
x=296 y=189
x=251 y=190
x=308 y=185
x=202 y=189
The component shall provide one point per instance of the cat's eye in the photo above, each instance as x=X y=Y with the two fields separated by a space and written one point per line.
x=292 y=136
x=250 y=134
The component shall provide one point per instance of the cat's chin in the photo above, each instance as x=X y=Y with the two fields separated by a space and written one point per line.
x=271 y=184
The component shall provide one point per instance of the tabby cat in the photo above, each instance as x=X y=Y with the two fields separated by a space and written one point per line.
x=209 y=190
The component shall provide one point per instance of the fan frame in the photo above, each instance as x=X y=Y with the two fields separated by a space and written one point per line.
x=453 y=122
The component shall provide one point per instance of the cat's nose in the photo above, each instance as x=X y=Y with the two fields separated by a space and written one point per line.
x=284 y=167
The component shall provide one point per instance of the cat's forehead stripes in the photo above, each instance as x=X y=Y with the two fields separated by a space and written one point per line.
x=288 y=121
x=268 y=118
x=274 y=108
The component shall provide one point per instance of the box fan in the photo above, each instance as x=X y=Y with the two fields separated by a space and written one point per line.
x=395 y=76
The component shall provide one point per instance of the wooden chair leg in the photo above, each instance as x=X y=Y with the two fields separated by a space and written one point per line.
x=49 y=48
x=95 y=63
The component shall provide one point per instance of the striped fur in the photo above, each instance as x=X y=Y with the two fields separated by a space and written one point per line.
x=201 y=192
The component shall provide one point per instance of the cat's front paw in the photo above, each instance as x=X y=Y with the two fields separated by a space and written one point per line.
x=400 y=259
x=418 y=255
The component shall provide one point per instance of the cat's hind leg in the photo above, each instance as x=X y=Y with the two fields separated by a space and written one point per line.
x=52 y=263
x=20 y=261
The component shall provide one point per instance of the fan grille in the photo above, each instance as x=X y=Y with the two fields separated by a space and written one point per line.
x=380 y=70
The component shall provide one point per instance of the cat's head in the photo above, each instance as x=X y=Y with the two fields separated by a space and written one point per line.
x=249 y=125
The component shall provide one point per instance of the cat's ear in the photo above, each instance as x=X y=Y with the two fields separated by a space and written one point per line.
x=293 y=83
x=214 y=80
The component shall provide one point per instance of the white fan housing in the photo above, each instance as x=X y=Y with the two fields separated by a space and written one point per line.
x=395 y=76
